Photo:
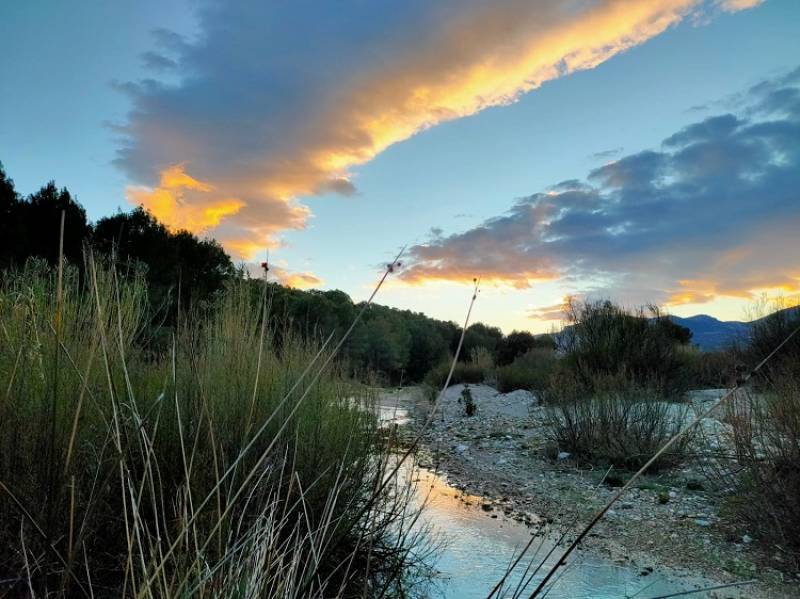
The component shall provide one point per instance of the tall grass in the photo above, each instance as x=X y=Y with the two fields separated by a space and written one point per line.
x=205 y=470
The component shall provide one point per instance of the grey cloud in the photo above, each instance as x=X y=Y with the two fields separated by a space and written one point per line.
x=170 y=40
x=607 y=154
x=718 y=204
x=272 y=101
x=570 y=185
x=714 y=128
x=158 y=62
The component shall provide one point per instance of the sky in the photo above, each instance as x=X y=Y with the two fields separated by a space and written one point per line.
x=646 y=151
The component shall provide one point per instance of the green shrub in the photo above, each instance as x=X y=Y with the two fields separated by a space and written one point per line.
x=190 y=473
x=530 y=371
x=463 y=373
x=612 y=422
x=603 y=339
x=469 y=403
x=478 y=369
x=519 y=343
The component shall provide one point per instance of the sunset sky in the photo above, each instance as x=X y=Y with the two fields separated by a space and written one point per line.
x=642 y=150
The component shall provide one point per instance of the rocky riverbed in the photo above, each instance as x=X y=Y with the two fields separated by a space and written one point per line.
x=674 y=519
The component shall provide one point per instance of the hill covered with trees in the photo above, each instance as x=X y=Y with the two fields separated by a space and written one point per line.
x=184 y=272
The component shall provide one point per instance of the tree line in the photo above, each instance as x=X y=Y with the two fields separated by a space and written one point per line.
x=185 y=273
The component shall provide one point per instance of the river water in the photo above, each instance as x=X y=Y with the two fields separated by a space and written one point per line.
x=477 y=549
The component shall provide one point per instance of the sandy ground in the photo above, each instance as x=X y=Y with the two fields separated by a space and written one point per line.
x=500 y=453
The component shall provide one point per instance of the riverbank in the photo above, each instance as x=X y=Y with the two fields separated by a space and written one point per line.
x=671 y=520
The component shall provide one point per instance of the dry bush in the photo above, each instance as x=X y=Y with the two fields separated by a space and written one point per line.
x=765 y=475
x=613 y=422
x=710 y=369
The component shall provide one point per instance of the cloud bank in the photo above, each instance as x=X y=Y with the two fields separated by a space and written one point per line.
x=714 y=212
x=278 y=100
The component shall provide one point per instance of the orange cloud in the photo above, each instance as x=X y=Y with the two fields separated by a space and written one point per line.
x=244 y=248
x=301 y=280
x=549 y=313
x=489 y=57
x=288 y=278
x=172 y=204
x=255 y=162
x=421 y=275
x=748 y=287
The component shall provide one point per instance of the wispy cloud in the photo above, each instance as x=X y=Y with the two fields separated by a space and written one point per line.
x=284 y=276
x=714 y=212
x=298 y=280
x=607 y=154
x=275 y=101
x=555 y=312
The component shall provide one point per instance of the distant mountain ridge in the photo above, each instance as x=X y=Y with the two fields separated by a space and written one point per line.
x=710 y=333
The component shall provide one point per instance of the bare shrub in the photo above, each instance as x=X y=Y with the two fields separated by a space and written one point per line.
x=766 y=474
x=769 y=331
x=710 y=369
x=613 y=421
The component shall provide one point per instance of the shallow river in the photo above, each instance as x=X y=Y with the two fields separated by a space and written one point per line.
x=478 y=549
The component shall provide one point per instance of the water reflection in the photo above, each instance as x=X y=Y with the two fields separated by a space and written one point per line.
x=478 y=547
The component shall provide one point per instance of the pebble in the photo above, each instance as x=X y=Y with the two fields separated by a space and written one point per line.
x=702 y=522
x=506 y=435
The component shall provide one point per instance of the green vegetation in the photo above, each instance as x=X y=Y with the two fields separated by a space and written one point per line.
x=166 y=432
x=646 y=347
x=530 y=371
x=479 y=368
x=177 y=264
x=468 y=402
x=206 y=469
x=184 y=272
